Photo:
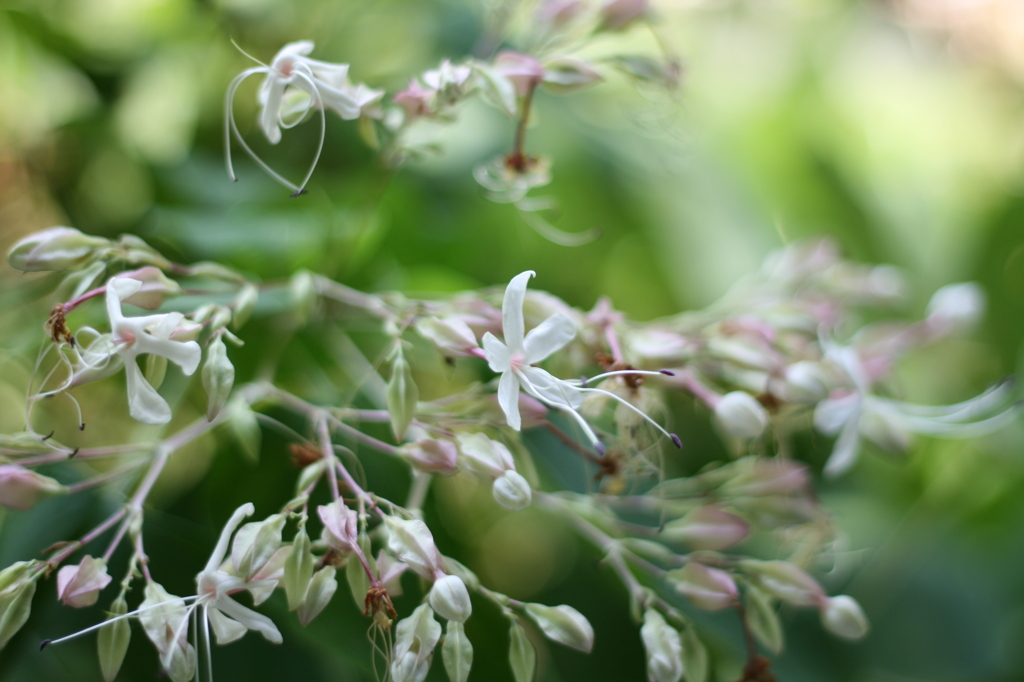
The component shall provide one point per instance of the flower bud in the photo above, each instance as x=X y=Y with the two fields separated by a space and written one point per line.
x=806 y=383
x=618 y=14
x=415 y=639
x=522 y=657
x=302 y=290
x=156 y=286
x=664 y=648
x=843 y=617
x=56 y=249
x=321 y=588
x=80 y=585
x=785 y=581
x=243 y=305
x=484 y=457
x=563 y=624
x=512 y=491
x=17 y=587
x=113 y=639
x=450 y=599
x=413 y=544
x=451 y=335
x=298 y=570
x=740 y=415
x=416 y=100
x=21 y=488
x=956 y=307
x=524 y=71
x=433 y=456
x=761 y=477
x=402 y=396
x=341 y=526
x=564 y=76
x=457 y=652
x=255 y=543
x=708 y=588
x=218 y=377
x=707 y=528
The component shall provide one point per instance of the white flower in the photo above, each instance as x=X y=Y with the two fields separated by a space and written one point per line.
x=327 y=86
x=515 y=358
x=131 y=337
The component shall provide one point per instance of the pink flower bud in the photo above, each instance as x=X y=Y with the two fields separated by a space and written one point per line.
x=451 y=335
x=433 y=456
x=618 y=14
x=708 y=588
x=707 y=528
x=416 y=100
x=21 y=488
x=761 y=477
x=341 y=526
x=524 y=71
x=558 y=13
x=80 y=585
x=785 y=581
x=411 y=541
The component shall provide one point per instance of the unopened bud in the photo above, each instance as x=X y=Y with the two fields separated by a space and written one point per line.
x=664 y=648
x=457 y=652
x=433 y=456
x=321 y=588
x=707 y=528
x=341 y=526
x=80 y=585
x=484 y=457
x=113 y=639
x=512 y=491
x=451 y=335
x=156 y=287
x=708 y=588
x=956 y=307
x=450 y=599
x=740 y=415
x=760 y=477
x=523 y=71
x=243 y=305
x=558 y=13
x=298 y=570
x=57 y=248
x=413 y=544
x=563 y=624
x=21 y=488
x=806 y=383
x=843 y=617
x=17 y=587
x=564 y=76
x=784 y=581
x=618 y=14
x=302 y=290
x=218 y=377
x=402 y=396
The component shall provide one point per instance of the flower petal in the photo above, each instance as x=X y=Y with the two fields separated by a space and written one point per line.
x=186 y=355
x=271 y=94
x=844 y=453
x=549 y=336
x=499 y=357
x=512 y=311
x=226 y=630
x=508 y=398
x=144 y=403
x=546 y=388
x=250 y=619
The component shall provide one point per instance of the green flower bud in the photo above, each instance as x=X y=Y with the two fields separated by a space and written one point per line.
x=320 y=591
x=402 y=396
x=218 y=377
x=57 y=248
x=563 y=624
x=457 y=652
x=113 y=639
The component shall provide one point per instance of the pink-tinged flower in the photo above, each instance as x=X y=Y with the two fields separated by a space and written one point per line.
x=708 y=588
x=416 y=99
x=80 y=585
x=618 y=14
x=155 y=287
x=707 y=528
x=341 y=526
x=558 y=13
x=523 y=71
x=21 y=488
x=433 y=456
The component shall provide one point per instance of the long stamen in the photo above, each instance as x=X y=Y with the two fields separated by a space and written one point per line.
x=671 y=436
x=130 y=614
x=623 y=372
x=229 y=116
x=323 y=129
x=206 y=639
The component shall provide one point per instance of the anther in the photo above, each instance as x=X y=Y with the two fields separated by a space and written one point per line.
x=49 y=435
x=676 y=440
x=81 y=427
x=667 y=372
x=73 y=453
x=42 y=645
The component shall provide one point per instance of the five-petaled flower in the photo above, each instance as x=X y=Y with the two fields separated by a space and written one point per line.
x=131 y=337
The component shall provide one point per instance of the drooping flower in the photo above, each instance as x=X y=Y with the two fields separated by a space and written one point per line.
x=327 y=86
x=131 y=337
x=80 y=585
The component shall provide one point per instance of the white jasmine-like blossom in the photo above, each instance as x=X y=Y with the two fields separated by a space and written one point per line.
x=855 y=412
x=327 y=86
x=515 y=358
x=131 y=337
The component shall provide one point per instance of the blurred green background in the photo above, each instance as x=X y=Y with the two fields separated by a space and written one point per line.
x=895 y=127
